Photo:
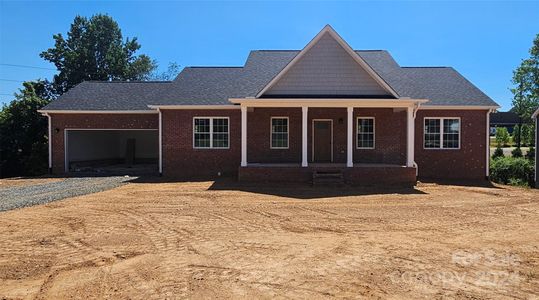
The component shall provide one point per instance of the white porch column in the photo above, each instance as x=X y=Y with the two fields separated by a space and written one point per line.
x=349 y=138
x=243 y=136
x=304 y=127
x=410 y=137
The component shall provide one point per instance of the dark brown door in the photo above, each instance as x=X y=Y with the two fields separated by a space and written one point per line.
x=322 y=141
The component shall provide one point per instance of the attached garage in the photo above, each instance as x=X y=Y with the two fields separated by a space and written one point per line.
x=114 y=152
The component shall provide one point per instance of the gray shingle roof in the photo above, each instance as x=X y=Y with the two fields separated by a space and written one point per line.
x=215 y=85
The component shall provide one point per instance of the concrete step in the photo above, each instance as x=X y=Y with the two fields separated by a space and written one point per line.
x=328 y=178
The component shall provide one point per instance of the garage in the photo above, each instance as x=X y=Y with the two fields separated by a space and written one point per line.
x=112 y=152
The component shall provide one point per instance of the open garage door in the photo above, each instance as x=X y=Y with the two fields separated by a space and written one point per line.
x=114 y=152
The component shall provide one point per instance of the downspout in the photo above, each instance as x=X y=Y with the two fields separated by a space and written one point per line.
x=487 y=145
x=50 y=141
x=160 y=142
x=416 y=108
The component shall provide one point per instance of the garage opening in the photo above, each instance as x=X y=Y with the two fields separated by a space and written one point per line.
x=112 y=152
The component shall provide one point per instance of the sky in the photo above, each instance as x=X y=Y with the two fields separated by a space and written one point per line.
x=484 y=40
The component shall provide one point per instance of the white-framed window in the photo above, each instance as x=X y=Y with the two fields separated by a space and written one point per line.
x=365 y=133
x=441 y=133
x=279 y=133
x=211 y=133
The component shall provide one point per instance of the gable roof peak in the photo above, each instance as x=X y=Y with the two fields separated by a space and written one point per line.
x=339 y=40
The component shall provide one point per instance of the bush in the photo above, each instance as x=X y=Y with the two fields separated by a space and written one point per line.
x=502 y=136
x=516 y=153
x=498 y=152
x=516 y=135
x=511 y=170
x=531 y=153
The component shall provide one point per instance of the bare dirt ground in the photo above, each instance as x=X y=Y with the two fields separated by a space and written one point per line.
x=221 y=240
x=19 y=181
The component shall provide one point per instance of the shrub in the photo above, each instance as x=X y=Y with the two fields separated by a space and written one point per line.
x=502 y=136
x=531 y=153
x=511 y=170
x=516 y=153
x=498 y=152
x=516 y=134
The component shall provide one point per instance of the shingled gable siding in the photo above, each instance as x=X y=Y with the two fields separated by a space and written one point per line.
x=468 y=162
x=326 y=69
x=93 y=121
x=182 y=161
x=389 y=136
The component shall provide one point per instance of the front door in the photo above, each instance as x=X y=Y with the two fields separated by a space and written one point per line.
x=322 y=141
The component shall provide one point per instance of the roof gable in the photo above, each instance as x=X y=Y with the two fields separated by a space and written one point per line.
x=327 y=66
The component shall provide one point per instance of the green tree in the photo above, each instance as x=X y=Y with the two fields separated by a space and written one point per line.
x=502 y=136
x=517 y=137
x=170 y=74
x=526 y=85
x=95 y=50
x=23 y=132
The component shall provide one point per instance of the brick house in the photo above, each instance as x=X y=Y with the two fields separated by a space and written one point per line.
x=283 y=116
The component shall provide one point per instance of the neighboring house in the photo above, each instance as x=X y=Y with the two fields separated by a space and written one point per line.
x=535 y=118
x=503 y=119
x=283 y=116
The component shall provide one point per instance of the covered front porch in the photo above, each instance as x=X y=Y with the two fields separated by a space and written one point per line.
x=328 y=136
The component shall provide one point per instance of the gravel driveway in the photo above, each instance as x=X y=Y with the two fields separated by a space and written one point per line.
x=21 y=196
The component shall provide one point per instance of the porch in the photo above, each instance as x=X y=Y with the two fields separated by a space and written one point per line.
x=363 y=141
x=358 y=174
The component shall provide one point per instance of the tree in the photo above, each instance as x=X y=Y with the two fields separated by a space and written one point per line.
x=517 y=136
x=526 y=81
x=502 y=136
x=23 y=132
x=95 y=50
x=171 y=73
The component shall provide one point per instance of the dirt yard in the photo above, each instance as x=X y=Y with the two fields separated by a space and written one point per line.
x=221 y=240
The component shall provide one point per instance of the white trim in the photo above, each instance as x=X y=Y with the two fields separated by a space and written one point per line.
x=181 y=107
x=304 y=134
x=487 y=165
x=328 y=29
x=312 y=136
x=160 y=141
x=287 y=133
x=349 y=137
x=373 y=133
x=326 y=102
x=211 y=147
x=536 y=143
x=458 y=107
x=66 y=152
x=410 y=137
x=243 y=136
x=46 y=111
x=50 y=140
x=535 y=113
x=442 y=132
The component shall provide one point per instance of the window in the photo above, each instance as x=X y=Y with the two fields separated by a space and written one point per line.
x=210 y=132
x=441 y=133
x=365 y=133
x=279 y=133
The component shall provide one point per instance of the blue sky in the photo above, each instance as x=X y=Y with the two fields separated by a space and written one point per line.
x=483 y=40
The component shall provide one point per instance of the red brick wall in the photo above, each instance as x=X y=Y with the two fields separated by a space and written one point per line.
x=390 y=136
x=181 y=160
x=468 y=162
x=61 y=122
x=401 y=176
x=258 y=136
x=338 y=115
